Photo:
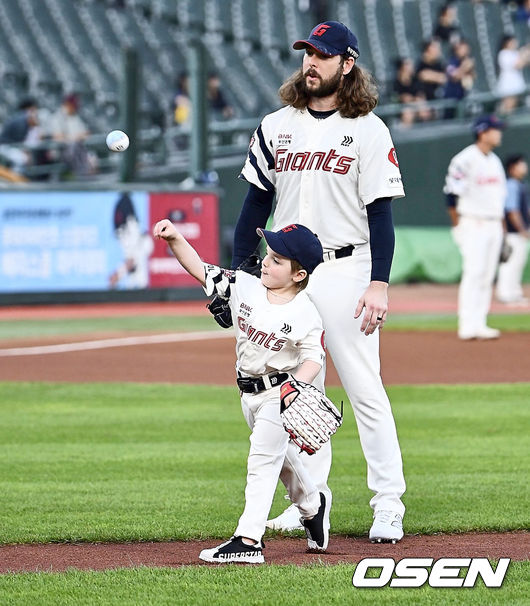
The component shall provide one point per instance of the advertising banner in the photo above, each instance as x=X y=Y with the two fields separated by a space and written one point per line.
x=83 y=241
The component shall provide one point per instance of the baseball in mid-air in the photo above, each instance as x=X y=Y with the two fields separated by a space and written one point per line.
x=117 y=141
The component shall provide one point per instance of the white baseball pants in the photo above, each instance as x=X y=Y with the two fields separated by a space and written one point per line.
x=271 y=456
x=335 y=288
x=510 y=276
x=480 y=242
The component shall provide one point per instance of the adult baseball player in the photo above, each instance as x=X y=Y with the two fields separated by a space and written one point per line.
x=517 y=215
x=332 y=165
x=475 y=186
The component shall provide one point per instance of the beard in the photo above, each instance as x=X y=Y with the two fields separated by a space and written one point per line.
x=326 y=88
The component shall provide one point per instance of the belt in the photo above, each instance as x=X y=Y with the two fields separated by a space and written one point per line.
x=255 y=385
x=345 y=251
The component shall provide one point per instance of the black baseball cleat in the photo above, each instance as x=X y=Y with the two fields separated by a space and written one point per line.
x=234 y=550
x=316 y=528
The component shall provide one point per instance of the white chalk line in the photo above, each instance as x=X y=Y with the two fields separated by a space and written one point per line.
x=175 y=337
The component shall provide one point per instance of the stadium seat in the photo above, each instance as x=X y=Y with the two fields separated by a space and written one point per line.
x=352 y=14
x=51 y=47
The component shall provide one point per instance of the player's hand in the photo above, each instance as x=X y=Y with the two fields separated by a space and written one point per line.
x=375 y=303
x=166 y=230
x=288 y=399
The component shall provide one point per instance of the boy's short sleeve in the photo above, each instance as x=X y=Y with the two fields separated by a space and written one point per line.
x=218 y=280
x=312 y=345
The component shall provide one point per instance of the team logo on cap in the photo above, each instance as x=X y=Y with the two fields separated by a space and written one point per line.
x=320 y=29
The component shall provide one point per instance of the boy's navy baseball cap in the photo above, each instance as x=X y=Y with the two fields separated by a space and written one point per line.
x=295 y=242
x=331 y=38
x=484 y=123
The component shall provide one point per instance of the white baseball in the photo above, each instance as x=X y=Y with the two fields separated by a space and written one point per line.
x=117 y=141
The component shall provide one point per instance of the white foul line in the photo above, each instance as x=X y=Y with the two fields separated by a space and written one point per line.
x=174 y=337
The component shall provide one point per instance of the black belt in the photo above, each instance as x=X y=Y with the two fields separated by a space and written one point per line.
x=255 y=385
x=345 y=251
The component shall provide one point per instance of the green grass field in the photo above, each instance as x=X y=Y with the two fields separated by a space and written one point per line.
x=112 y=462
x=266 y=585
x=19 y=329
x=121 y=462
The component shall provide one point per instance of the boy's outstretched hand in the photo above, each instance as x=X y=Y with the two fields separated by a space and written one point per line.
x=165 y=229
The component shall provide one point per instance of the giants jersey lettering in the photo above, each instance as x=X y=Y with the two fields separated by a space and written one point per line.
x=479 y=181
x=324 y=172
x=330 y=162
x=269 y=338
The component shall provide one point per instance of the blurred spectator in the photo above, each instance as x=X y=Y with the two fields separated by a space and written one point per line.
x=182 y=108
x=406 y=91
x=522 y=12
x=447 y=29
x=182 y=101
x=460 y=74
x=517 y=214
x=21 y=128
x=66 y=126
x=218 y=103
x=430 y=71
x=511 y=60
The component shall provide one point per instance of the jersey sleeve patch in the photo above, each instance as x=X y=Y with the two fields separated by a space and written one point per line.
x=392 y=156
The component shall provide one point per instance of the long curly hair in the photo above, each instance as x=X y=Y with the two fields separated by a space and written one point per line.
x=356 y=96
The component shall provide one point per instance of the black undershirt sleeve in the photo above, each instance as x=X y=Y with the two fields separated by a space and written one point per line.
x=382 y=238
x=451 y=200
x=256 y=210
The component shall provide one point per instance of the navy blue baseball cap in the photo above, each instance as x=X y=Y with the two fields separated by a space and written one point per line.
x=295 y=242
x=331 y=38
x=484 y=123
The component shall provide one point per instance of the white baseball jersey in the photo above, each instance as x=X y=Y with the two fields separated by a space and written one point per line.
x=269 y=338
x=324 y=172
x=479 y=181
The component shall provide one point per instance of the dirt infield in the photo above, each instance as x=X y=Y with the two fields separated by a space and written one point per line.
x=406 y=358
x=286 y=550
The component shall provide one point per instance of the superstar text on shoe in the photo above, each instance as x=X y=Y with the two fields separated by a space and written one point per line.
x=234 y=550
x=387 y=527
x=317 y=528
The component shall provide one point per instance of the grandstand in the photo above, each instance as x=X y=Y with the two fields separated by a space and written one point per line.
x=52 y=47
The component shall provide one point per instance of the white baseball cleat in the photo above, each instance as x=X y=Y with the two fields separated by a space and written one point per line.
x=287 y=521
x=488 y=333
x=483 y=333
x=387 y=527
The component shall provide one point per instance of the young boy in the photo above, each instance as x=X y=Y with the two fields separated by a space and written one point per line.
x=278 y=333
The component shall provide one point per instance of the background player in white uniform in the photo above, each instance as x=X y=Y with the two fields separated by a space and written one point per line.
x=476 y=189
x=517 y=214
x=278 y=331
x=333 y=167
